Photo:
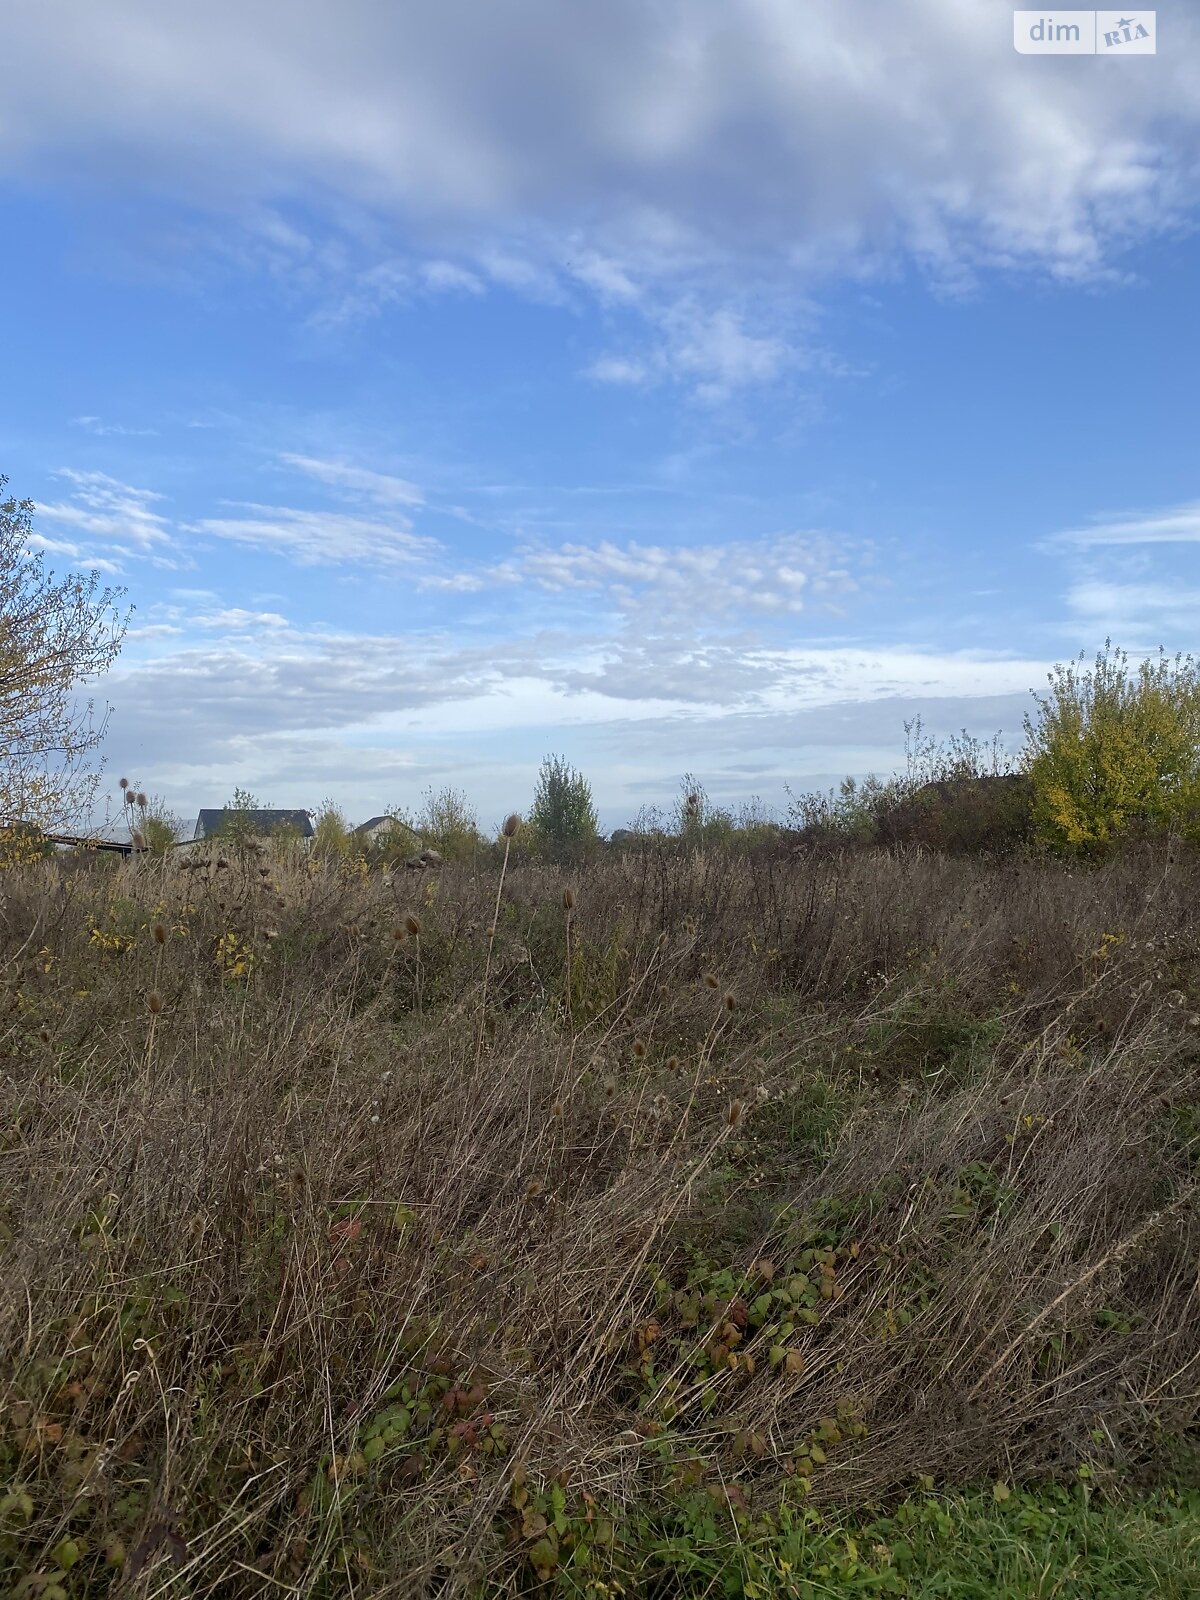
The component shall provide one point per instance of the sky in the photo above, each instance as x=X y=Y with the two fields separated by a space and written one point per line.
x=682 y=386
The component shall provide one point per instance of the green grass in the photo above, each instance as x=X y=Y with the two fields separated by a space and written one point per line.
x=1051 y=1543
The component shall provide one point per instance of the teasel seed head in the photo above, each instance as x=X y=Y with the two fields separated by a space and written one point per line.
x=138 y=839
x=511 y=824
x=141 y=800
x=155 y=1002
x=730 y=1002
x=160 y=933
x=124 y=783
x=639 y=1048
x=412 y=926
x=712 y=981
x=568 y=899
x=734 y=1115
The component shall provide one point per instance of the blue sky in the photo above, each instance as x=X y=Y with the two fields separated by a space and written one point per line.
x=682 y=387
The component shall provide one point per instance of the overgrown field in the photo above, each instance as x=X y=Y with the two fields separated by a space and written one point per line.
x=720 y=1225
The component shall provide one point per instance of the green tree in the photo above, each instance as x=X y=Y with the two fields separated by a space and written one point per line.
x=55 y=634
x=1112 y=744
x=562 y=815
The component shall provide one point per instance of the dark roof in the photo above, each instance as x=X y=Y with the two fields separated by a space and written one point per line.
x=373 y=822
x=211 y=820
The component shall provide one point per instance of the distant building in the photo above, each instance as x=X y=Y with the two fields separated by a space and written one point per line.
x=211 y=821
x=376 y=828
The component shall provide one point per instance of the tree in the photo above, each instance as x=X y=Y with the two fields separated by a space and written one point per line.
x=1112 y=745
x=562 y=814
x=55 y=635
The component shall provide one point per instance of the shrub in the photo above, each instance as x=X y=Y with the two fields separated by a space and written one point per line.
x=331 y=836
x=1110 y=746
x=448 y=822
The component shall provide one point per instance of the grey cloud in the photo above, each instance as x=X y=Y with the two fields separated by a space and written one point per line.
x=656 y=136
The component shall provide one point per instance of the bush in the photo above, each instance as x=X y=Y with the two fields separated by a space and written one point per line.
x=448 y=822
x=1110 y=746
x=332 y=839
x=959 y=795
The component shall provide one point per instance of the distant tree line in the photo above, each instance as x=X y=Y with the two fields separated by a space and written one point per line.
x=1111 y=751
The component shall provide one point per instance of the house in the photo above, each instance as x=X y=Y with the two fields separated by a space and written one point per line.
x=260 y=824
x=377 y=828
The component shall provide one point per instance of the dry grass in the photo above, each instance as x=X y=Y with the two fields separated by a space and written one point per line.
x=922 y=1202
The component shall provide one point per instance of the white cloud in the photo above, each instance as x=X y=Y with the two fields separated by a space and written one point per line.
x=776 y=576
x=343 y=475
x=113 y=514
x=709 y=351
x=446 y=277
x=321 y=538
x=101 y=428
x=237 y=620
x=1140 y=613
x=714 y=349
x=605 y=276
x=1171 y=525
x=621 y=370
x=73 y=552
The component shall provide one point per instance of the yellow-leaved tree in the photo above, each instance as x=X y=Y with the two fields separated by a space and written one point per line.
x=56 y=634
x=1115 y=744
